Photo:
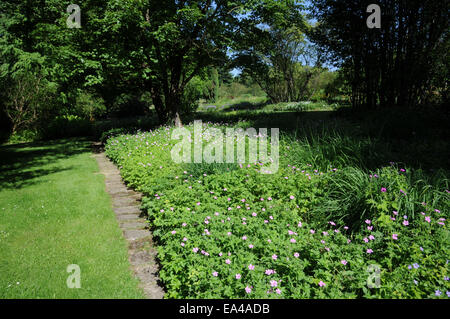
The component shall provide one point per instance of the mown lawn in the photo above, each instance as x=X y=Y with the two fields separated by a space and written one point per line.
x=54 y=212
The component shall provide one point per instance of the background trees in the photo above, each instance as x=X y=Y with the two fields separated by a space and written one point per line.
x=396 y=64
x=175 y=41
x=272 y=49
x=132 y=54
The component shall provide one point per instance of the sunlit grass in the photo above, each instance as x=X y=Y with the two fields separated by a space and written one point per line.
x=54 y=212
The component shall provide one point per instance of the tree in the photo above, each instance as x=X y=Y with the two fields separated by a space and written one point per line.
x=175 y=41
x=273 y=50
x=38 y=53
x=392 y=65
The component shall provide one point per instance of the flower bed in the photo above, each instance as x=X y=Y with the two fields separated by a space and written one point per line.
x=228 y=231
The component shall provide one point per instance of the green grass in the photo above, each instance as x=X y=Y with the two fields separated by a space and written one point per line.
x=261 y=105
x=54 y=212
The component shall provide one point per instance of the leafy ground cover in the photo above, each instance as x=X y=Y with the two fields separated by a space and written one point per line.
x=54 y=212
x=320 y=227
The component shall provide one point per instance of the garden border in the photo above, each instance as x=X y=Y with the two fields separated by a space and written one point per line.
x=125 y=204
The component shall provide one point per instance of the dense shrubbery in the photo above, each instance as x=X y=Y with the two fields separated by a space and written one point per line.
x=309 y=231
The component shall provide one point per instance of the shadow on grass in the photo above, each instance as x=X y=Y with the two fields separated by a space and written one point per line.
x=22 y=164
x=245 y=106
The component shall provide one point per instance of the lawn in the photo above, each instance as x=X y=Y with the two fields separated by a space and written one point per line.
x=54 y=212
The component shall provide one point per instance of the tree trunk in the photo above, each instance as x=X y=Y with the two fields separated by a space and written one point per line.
x=173 y=103
x=155 y=93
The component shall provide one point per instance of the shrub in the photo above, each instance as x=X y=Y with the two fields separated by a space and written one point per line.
x=308 y=231
x=89 y=106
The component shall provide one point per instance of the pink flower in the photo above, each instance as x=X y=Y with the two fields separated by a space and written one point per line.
x=291 y=197
x=371 y=237
x=273 y=283
x=344 y=262
x=394 y=236
x=312 y=231
x=428 y=219
x=405 y=222
x=250 y=246
x=383 y=190
x=215 y=274
x=244 y=237
x=366 y=240
x=278 y=291
x=369 y=251
x=274 y=257
x=251 y=267
x=228 y=261
x=296 y=255
x=238 y=276
x=395 y=213
x=368 y=221
x=293 y=240
x=321 y=283
x=174 y=232
x=195 y=249
x=254 y=214
x=248 y=289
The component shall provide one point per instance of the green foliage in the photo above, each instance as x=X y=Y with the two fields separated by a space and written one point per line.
x=213 y=223
x=130 y=105
x=89 y=106
x=67 y=126
x=402 y=63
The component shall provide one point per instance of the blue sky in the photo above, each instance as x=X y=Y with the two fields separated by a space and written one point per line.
x=307 y=3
